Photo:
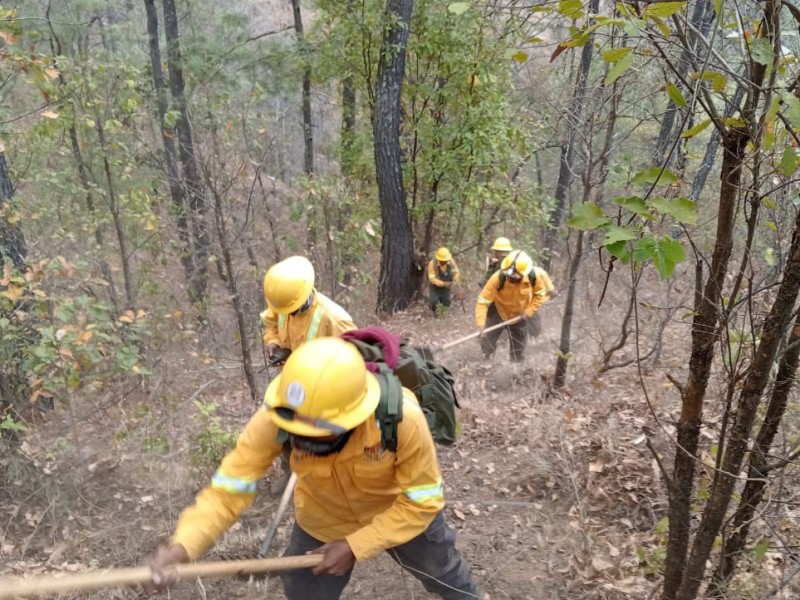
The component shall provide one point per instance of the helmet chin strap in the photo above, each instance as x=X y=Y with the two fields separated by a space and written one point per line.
x=316 y=447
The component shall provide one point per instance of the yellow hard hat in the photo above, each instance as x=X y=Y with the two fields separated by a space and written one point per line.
x=519 y=261
x=502 y=244
x=288 y=284
x=323 y=389
x=443 y=254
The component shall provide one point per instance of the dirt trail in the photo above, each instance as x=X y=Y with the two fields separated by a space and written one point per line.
x=518 y=487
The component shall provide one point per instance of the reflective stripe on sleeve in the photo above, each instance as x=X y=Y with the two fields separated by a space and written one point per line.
x=234 y=485
x=281 y=320
x=484 y=301
x=423 y=493
x=541 y=293
x=314 y=327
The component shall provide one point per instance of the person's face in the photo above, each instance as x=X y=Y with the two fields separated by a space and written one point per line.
x=442 y=264
x=500 y=254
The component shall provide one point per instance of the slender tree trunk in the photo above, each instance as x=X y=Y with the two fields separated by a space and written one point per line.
x=176 y=189
x=192 y=182
x=308 y=132
x=560 y=377
x=758 y=470
x=682 y=577
x=233 y=291
x=566 y=168
x=12 y=241
x=702 y=17
x=395 y=289
x=116 y=217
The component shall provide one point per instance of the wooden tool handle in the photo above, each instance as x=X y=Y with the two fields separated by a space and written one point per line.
x=466 y=338
x=53 y=584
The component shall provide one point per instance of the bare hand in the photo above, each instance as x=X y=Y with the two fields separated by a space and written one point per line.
x=162 y=567
x=339 y=559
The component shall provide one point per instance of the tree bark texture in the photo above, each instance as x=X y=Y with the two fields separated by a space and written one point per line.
x=176 y=189
x=394 y=290
x=191 y=177
x=12 y=240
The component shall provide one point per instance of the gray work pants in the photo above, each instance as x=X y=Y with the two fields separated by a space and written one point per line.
x=431 y=557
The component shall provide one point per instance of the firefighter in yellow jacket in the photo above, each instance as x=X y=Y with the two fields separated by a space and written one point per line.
x=353 y=498
x=518 y=289
x=296 y=312
x=443 y=274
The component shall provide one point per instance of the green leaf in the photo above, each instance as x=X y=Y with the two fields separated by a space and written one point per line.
x=458 y=8
x=620 y=251
x=635 y=204
x=760 y=550
x=664 y=252
x=772 y=226
x=769 y=203
x=718 y=7
x=587 y=216
x=770 y=258
x=654 y=175
x=675 y=94
x=619 y=69
x=571 y=8
x=520 y=56
x=683 y=209
x=718 y=81
x=761 y=51
x=616 y=54
x=788 y=161
x=792 y=109
x=616 y=234
x=662 y=10
x=693 y=131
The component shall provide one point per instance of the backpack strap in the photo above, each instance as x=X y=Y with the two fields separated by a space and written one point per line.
x=501 y=281
x=390 y=408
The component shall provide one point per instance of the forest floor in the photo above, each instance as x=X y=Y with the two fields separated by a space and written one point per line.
x=554 y=494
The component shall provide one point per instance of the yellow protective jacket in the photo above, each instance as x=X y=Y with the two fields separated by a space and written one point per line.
x=324 y=318
x=439 y=278
x=373 y=498
x=515 y=298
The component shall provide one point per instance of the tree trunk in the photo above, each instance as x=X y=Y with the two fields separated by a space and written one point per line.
x=176 y=189
x=560 y=377
x=758 y=471
x=682 y=578
x=693 y=394
x=308 y=132
x=566 y=168
x=702 y=17
x=197 y=202
x=116 y=217
x=12 y=241
x=395 y=289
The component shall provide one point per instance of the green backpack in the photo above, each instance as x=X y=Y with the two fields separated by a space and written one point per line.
x=432 y=384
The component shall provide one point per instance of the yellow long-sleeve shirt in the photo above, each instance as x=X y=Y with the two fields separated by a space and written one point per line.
x=443 y=277
x=515 y=298
x=373 y=498
x=324 y=318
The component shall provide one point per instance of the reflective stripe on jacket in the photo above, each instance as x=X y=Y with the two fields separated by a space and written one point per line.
x=373 y=498
x=440 y=278
x=324 y=318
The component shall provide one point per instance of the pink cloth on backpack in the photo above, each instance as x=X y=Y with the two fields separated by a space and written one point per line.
x=377 y=335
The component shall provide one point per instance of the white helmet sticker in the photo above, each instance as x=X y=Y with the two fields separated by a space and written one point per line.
x=295 y=394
